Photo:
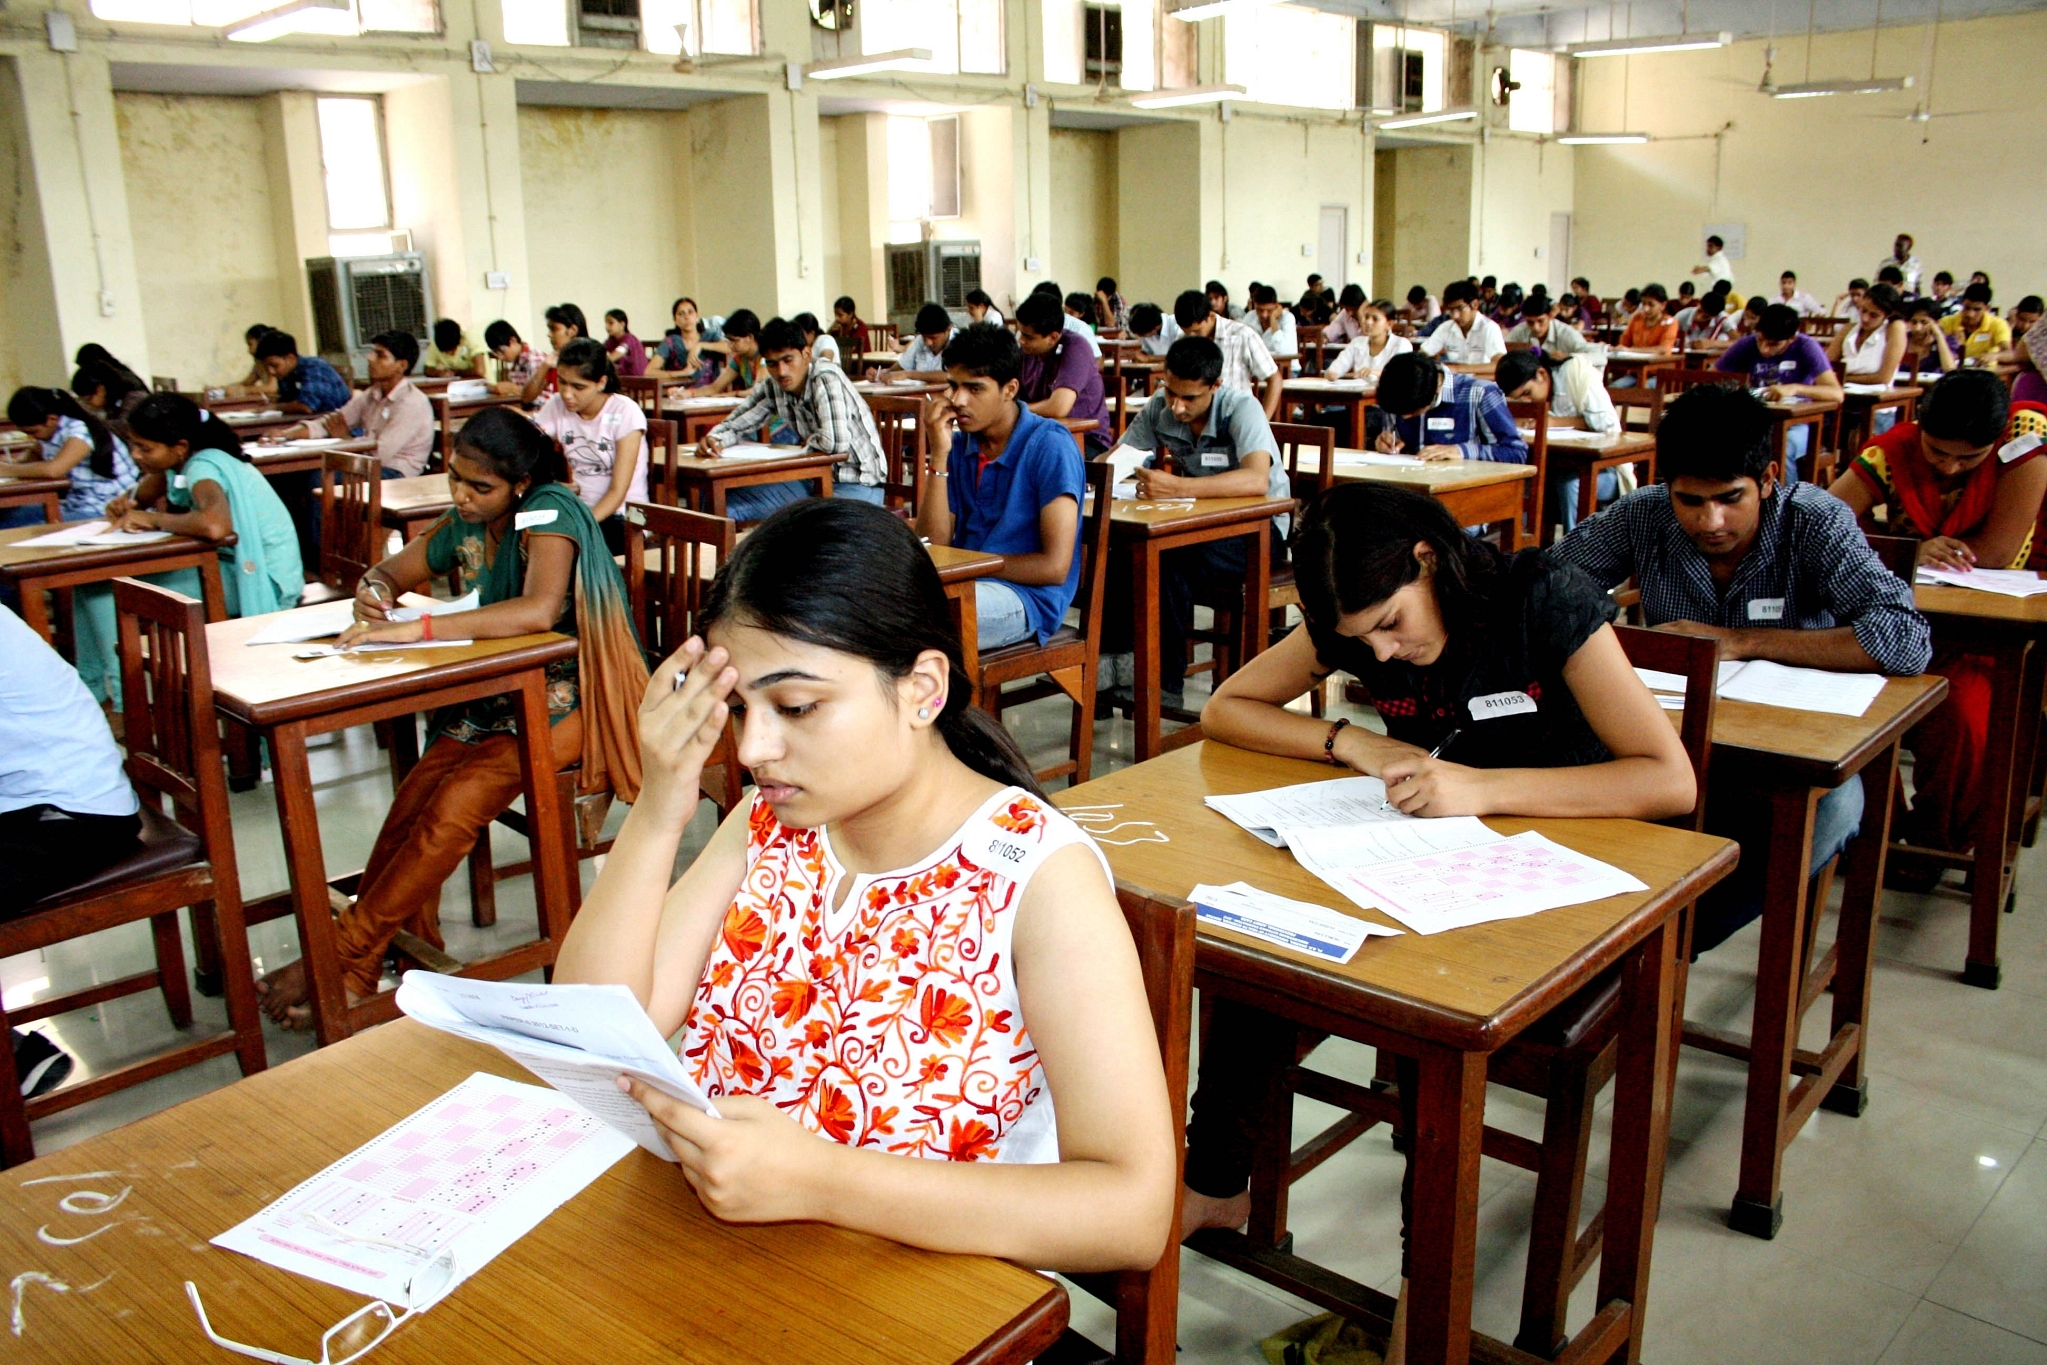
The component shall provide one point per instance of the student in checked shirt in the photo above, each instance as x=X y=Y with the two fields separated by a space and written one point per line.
x=826 y=412
x=1247 y=365
x=1436 y=414
x=1723 y=548
x=1505 y=664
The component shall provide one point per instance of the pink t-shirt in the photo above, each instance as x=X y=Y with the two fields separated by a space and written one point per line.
x=591 y=444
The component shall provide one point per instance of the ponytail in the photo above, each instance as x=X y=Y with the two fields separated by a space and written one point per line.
x=168 y=418
x=854 y=578
x=31 y=407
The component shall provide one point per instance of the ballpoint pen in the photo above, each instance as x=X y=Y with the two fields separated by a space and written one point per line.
x=1448 y=740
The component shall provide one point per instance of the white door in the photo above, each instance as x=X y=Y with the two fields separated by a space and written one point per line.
x=1559 y=254
x=1335 y=235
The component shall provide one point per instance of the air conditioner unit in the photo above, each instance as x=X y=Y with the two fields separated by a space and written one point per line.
x=356 y=297
x=931 y=272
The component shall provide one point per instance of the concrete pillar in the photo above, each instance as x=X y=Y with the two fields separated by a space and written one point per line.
x=75 y=272
x=863 y=211
x=298 y=204
x=1159 y=230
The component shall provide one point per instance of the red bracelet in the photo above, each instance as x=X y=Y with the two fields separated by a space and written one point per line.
x=426 y=627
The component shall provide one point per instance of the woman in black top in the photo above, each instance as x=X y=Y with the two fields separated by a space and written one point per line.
x=1506 y=664
x=1503 y=691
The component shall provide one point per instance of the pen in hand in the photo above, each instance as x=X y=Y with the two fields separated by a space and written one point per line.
x=1447 y=741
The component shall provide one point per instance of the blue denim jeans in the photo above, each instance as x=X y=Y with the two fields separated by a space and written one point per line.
x=1561 y=499
x=756 y=502
x=999 y=612
x=1739 y=899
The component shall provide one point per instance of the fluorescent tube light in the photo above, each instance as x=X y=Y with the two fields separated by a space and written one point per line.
x=1215 y=9
x=1857 y=85
x=1600 y=139
x=332 y=17
x=1418 y=120
x=1635 y=47
x=1193 y=94
x=902 y=59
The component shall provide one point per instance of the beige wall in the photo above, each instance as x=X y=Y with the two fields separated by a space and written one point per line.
x=1277 y=176
x=1821 y=185
x=604 y=227
x=988 y=197
x=199 y=196
x=862 y=176
x=1521 y=182
x=730 y=177
x=834 y=247
x=1084 y=208
x=30 y=316
x=1426 y=218
x=1159 y=253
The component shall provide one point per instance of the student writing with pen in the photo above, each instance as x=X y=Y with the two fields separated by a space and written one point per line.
x=1507 y=662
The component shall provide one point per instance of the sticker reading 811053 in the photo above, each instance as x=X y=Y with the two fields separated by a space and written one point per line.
x=1502 y=704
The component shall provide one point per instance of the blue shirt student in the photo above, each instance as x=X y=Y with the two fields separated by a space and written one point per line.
x=1471 y=414
x=315 y=383
x=996 y=506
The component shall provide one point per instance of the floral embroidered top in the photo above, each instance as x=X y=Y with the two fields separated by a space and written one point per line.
x=891 y=1021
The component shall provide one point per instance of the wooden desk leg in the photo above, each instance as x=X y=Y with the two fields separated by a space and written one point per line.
x=1988 y=881
x=1357 y=424
x=1859 y=898
x=1257 y=595
x=1588 y=491
x=966 y=619
x=544 y=814
x=306 y=864
x=1144 y=663
x=210 y=589
x=1758 y=1199
x=1651 y=1003
x=1443 y=1231
x=34 y=614
x=824 y=482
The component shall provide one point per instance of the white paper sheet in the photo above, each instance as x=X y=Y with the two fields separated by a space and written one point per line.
x=1801 y=689
x=1328 y=852
x=1343 y=802
x=69 y=535
x=1316 y=930
x=475 y=1170
x=268 y=414
x=1382 y=457
x=466 y=602
x=751 y=450
x=1866 y=390
x=305 y=623
x=315 y=443
x=1126 y=460
x=579 y=1039
x=374 y=647
x=1505 y=879
x=1656 y=680
x=117 y=539
x=2005 y=582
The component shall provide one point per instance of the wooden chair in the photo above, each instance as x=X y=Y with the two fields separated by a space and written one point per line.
x=881 y=336
x=895 y=418
x=664 y=444
x=1147 y=1302
x=671 y=555
x=1224 y=637
x=1065 y=664
x=1534 y=532
x=1675 y=381
x=185 y=858
x=1566 y=1058
x=644 y=389
x=1900 y=554
x=1638 y=398
x=352 y=531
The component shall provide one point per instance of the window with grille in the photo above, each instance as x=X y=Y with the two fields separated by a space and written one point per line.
x=1102 y=26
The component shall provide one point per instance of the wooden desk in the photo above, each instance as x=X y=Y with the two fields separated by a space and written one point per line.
x=284 y=459
x=249 y=423
x=33 y=571
x=289 y=700
x=1447 y=1000
x=705 y=481
x=1787 y=760
x=451 y=414
x=1800 y=412
x=1641 y=364
x=694 y=416
x=1476 y=492
x=1859 y=410
x=957 y=570
x=1586 y=459
x=1354 y=397
x=2009 y=630
x=44 y=493
x=411 y=505
x=631 y=1269
x=1146 y=530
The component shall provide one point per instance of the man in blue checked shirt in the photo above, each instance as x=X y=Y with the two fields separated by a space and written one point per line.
x=305 y=383
x=1442 y=415
x=1723 y=548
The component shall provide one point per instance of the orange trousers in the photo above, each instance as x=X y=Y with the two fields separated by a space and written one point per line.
x=448 y=798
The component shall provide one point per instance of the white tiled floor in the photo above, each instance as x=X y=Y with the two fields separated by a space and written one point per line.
x=1914 y=1235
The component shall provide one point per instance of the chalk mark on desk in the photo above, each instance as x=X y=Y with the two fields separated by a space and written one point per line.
x=52 y=1283
x=1100 y=822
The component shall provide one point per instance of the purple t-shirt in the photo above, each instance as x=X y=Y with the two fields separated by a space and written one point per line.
x=1802 y=362
x=1071 y=365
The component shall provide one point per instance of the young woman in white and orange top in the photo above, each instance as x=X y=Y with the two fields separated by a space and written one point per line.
x=1872 y=346
x=899 y=971
x=1375 y=345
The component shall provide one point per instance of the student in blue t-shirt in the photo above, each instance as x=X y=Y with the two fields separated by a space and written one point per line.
x=1006 y=481
x=305 y=383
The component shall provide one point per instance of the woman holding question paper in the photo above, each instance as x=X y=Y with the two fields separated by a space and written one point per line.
x=1503 y=691
x=897 y=949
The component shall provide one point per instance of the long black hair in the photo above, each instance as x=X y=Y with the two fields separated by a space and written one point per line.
x=506 y=443
x=1518 y=367
x=31 y=407
x=92 y=351
x=115 y=384
x=1355 y=549
x=168 y=418
x=588 y=358
x=852 y=577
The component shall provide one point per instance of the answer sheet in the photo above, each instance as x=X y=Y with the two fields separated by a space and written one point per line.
x=1504 y=879
x=474 y=1171
x=1771 y=684
x=1316 y=930
x=578 y=1038
x=2005 y=582
x=1342 y=802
